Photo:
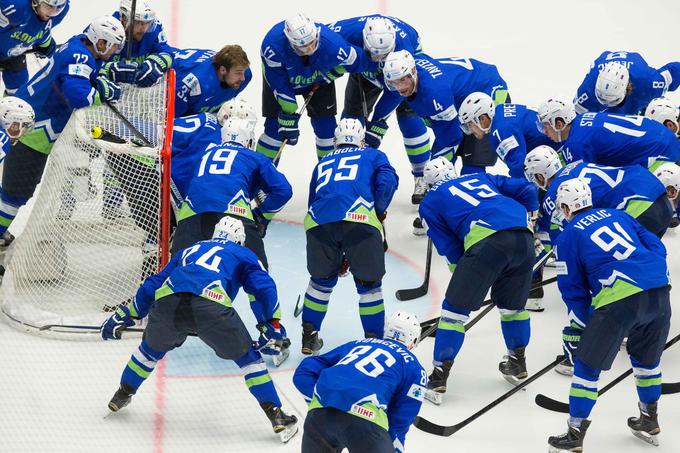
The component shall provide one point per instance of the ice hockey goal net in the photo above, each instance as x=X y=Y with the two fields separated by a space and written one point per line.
x=99 y=224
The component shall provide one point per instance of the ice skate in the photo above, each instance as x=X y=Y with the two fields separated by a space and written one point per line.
x=436 y=383
x=418 y=228
x=311 y=343
x=565 y=367
x=514 y=367
x=284 y=425
x=646 y=426
x=571 y=441
x=419 y=190
x=121 y=398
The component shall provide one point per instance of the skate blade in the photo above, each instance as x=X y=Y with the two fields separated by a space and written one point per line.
x=515 y=380
x=534 y=305
x=552 y=449
x=419 y=232
x=646 y=437
x=434 y=397
x=564 y=370
x=288 y=432
x=307 y=351
x=279 y=359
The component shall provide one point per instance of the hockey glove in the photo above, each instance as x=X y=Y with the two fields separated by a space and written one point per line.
x=288 y=127
x=119 y=71
x=119 y=321
x=273 y=337
x=261 y=222
x=539 y=248
x=375 y=131
x=46 y=49
x=570 y=340
x=150 y=71
x=108 y=91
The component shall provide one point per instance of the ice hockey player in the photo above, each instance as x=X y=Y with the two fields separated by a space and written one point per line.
x=379 y=35
x=632 y=189
x=623 y=83
x=151 y=55
x=26 y=25
x=481 y=224
x=606 y=139
x=364 y=395
x=665 y=112
x=669 y=175
x=297 y=55
x=349 y=193
x=69 y=82
x=193 y=294
x=206 y=79
x=511 y=128
x=612 y=275
x=435 y=90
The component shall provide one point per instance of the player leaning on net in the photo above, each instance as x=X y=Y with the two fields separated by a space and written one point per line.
x=623 y=83
x=299 y=55
x=607 y=139
x=151 y=55
x=365 y=394
x=481 y=224
x=26 y=25
x=379 y=35
x=207 y=79
x=193 y=294
x=69 y=81
x=612 y=273
x=349 y=193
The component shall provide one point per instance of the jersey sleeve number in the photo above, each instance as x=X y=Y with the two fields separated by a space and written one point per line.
x=370 y=365
x=614 y=239
x=600 y=173
x=458 y=61
x=346 y=171
x=634 y=120
x=480 y=191
x=208 y=260
x=221 y=162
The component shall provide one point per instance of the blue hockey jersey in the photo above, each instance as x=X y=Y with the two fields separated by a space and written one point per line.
x=407 y=38
x=617 y=140
x=288 y=73
x=191 y=137
x=198 y=87
x=443 y=84
x=632 y=189
x=648 y=83
x=214 y=269
x=514 y=133
x=377 y=380
x=5 y=145
x=604 y=255
x=21 y=29
x=227 y=177
x=460 y=212
x=154 y=42
x=351 y=184
x=65 y=83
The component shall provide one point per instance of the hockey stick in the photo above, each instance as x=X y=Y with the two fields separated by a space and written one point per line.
x=130 y=29
x=308 y=98
x=558 y=406
x=414 y=293
x=443 y=430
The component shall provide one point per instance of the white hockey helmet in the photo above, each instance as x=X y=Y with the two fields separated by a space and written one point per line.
x=17 y=117
x=237 y=130
x=438 y=169
x=380 y=37
x=302 y=34
x=473 y=107
x=662 y=110
x=555 y=108
x=403 y=327
x=236 y=108
x=143 y=10
x=58 y=5
x=349 y=132
x=398 y=65
x=544 y=161
x=669 y=175
x=231 y=229
x=107 y=29
x=611 y=85
x=575 y=194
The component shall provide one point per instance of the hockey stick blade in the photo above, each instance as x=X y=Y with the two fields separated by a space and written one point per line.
x=558 y=406
x=298 y=308
x=415 y=293
x=446 y=431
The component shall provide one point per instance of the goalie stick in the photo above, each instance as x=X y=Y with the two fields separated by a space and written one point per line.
x=558 y=406
x=444 y=430
x=420 y=291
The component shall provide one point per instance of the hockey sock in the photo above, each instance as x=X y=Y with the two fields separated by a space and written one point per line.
x=140 y=365
x=583 y=393
x=316 y=300
x=516 y=328
x=324 y=129
x=257 y=378
x=9 y=206
x=450 y=333
x=416 y=141
x=371 y=308
x=470 y=169
x=647 y=381
x=269 y=142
